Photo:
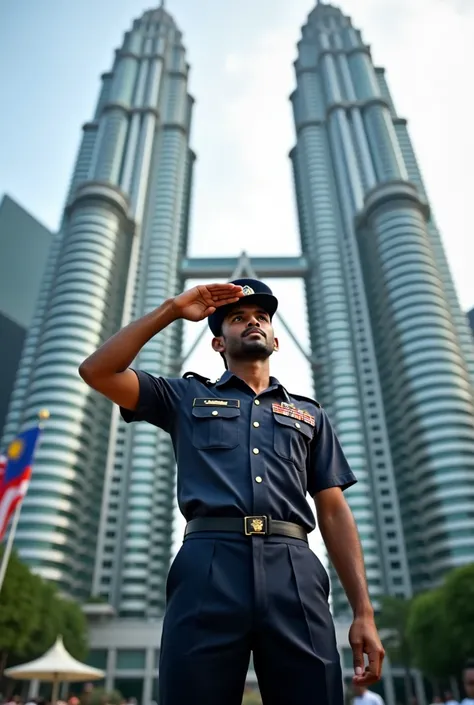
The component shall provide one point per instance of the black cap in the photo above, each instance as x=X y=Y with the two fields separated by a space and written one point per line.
x=255 y=292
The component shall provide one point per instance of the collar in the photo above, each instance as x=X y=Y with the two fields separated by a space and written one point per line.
x=229 y=377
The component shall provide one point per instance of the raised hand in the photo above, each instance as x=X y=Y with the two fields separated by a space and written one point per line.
x=201 y=301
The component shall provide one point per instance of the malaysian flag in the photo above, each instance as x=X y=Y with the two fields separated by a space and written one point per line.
x=15 y=473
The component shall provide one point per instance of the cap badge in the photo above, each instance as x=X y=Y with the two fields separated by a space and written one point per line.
x=247 y=291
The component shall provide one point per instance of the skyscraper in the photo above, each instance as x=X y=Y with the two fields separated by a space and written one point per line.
x=20 y=279
x=396 y=354
x=98 y=517
x=470 y=318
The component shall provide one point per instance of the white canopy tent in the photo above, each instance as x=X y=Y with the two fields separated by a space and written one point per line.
x=55 y=666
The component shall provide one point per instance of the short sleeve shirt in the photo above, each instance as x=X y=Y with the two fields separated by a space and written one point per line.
x=241 y=454
x=369 y=698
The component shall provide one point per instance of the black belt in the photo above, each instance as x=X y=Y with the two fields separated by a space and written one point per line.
x=249 y=526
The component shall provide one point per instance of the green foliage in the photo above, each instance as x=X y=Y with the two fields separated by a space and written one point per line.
x=96 y=600
x=20 y=599
x=48 y=624
x=392 y=624
x=32 y=615
x=73 y=627
x=99 y=696
x=430 y=643
x=440 y=625
x=458 y=594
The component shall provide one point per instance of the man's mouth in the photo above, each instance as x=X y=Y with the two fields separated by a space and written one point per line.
x=253 y=331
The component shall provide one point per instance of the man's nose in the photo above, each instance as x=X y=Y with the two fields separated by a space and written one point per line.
x=253 y=322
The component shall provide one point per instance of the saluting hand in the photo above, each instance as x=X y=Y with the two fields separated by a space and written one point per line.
x=201 y=301
x=364 y=639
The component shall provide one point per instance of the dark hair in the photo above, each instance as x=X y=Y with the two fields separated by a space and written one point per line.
x=469 y=664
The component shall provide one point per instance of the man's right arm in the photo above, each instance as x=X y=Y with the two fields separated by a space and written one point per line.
x=107 y=369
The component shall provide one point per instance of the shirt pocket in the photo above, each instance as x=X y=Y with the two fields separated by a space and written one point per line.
x=291 y=439
x=215 y=428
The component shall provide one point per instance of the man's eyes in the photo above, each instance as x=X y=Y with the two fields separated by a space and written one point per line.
x=261 y=316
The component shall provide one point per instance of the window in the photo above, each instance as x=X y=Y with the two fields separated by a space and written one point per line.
x=130 y=659
x=97 y=658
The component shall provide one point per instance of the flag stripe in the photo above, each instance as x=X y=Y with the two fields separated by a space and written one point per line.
x=8 y=502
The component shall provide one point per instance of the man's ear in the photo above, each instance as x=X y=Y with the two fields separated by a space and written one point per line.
x=218 y=344
x=276 y=345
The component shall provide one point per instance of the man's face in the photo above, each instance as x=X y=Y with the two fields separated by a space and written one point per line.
x=468 y=682
x=247 y=334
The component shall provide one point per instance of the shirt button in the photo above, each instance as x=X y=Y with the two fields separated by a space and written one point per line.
x=257 y=402
x=215 y=413
x=256 y=424
x=255 y=451
x=258 y=479
x=297 y=425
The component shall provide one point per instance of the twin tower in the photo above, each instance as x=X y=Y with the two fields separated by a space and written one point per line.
x=395 y=356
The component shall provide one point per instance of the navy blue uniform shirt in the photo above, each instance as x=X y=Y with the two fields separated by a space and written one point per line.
x=241 y=454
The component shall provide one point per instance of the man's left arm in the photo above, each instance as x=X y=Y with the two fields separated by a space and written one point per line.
x=341 y=538
x=329 y=474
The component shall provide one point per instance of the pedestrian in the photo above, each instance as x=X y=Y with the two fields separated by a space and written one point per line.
x=468 y=683
x=247 y=451
x=364 y=696
x=449 y=698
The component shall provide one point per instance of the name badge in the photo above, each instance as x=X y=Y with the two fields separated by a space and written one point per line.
x=229 y=403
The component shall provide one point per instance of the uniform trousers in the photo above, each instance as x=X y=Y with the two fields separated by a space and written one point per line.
x=229 y=596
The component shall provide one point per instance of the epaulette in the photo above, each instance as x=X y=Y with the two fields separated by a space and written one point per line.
x=204 y=380
x=303 y=398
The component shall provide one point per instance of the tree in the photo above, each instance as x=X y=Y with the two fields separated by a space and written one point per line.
x=48 y=624
x=430 y=642
x=458 y=596
x=32 y=615
x=99 y=696
x=392 y=624
x=19 y=610
x=73 y=628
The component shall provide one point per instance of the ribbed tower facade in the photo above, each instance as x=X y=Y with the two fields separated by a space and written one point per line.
x=396 y=354
x=99 y=513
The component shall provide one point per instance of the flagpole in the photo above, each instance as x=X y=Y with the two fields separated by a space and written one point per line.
x=9 y=545
x=43 y=415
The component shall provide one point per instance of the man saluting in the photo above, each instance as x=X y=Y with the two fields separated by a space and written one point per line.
x=247 y=452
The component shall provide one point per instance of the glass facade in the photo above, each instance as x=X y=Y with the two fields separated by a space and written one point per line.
x=98 y=517
x=397 y=359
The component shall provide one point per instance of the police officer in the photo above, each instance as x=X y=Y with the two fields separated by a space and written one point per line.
x=248 y=452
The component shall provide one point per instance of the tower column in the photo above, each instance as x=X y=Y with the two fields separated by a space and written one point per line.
x=83 y=309
x=425 y=382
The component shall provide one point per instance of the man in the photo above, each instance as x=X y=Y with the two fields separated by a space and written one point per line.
x=468 y=683
x=363 y=696
x=247 y=452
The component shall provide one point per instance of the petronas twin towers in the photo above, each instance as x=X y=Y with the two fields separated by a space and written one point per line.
x=396 y=370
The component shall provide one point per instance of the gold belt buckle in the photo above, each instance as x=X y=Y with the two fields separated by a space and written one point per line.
x=256 y=525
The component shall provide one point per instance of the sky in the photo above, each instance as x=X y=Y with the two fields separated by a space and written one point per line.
x=241 y=53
